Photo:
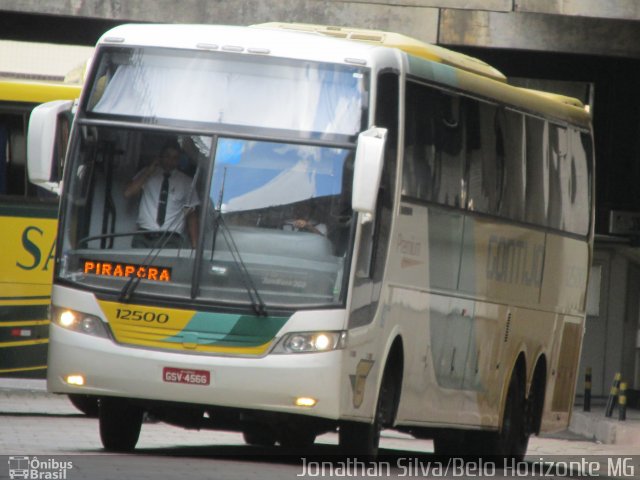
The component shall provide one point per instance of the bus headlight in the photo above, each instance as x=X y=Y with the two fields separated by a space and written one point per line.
x=309 y=342
x=80 y=322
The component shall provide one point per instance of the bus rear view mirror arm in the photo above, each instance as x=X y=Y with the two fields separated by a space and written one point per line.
x=368 y=171
x=42 y=150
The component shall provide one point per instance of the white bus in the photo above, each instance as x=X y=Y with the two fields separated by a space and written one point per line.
x=389 y=236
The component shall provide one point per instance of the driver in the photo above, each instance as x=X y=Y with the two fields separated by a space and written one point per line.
x=168 y=201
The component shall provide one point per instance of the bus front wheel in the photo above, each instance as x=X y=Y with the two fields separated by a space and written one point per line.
x=258 y=435
x=87 y=404
x=294 y=437
x=357 y=438
x=120 y=424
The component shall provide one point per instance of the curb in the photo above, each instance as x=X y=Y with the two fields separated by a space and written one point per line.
x=595 y=426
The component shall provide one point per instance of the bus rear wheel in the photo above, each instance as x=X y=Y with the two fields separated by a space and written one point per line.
x=120 y=424
x=513 y=438
x=510 y=442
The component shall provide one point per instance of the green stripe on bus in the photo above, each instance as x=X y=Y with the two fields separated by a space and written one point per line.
x=229 y=330
x=23 y=313
x=434 y=71
x=44 y=298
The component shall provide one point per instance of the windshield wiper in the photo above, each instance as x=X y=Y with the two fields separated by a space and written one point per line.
x=258 y=305
x=133 y=281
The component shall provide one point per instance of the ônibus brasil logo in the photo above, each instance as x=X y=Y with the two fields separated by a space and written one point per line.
x=33 y=468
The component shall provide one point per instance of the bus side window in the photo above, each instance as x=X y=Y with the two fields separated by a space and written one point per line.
x=537 y=184
x=449 y=161
x=559 y=177
x=485 y=153
x=13 y=155
x=419 y=151
x=577 y=183
x=4 y=137
x=375 y=237
x=62 y=141
x=513 y=196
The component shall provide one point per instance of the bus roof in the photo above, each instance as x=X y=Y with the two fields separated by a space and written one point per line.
x=399 y=41
x=234 y=39
x=471 y=74
x=31 y=91
x=339 y=44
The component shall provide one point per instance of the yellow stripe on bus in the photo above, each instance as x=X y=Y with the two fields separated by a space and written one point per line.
x=37 y=92
x=23 y=369
x=24 y=343
x=192 y=347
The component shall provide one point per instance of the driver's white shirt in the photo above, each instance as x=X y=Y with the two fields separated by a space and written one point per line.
x=181 y=197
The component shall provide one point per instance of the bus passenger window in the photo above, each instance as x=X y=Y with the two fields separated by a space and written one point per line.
x=13 y=156
x=537 y=189
x=62 y=142
x=449 y=161
x=387 y=101
x=485 y=153
x=577 y=216
x=512 y=204
x=419 y=150
x=559 y=177
x=4 y=136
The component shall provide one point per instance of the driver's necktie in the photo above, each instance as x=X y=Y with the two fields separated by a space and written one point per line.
x=162 y=201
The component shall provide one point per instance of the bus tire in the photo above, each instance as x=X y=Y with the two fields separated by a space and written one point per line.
x=513 y=438
x=363 y=439
x=358 y=439
x=87 y=404
x=296 y=438
x=258 y=435
x=452 y=444
x=120 y=424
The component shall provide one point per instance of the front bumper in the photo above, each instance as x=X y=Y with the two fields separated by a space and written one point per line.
x=269 y=383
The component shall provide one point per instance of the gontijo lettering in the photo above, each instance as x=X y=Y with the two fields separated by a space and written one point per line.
x=114 y=269
x=515 y=261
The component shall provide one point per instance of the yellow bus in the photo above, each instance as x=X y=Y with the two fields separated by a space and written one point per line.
x=389 y=235
x=28 y=221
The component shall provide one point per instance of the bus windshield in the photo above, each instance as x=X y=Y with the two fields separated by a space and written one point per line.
x=242 y=216
x=166 y=86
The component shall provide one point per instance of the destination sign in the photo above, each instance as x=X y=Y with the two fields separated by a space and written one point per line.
x=118 y=269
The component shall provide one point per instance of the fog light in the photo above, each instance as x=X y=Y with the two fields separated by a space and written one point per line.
x=77 y=380
x=305 y=402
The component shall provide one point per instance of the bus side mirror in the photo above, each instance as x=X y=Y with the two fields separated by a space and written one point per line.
x=42 y=147
x=367 y=171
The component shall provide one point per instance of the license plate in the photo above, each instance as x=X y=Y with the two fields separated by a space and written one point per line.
x=183 y=375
